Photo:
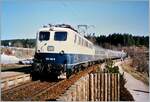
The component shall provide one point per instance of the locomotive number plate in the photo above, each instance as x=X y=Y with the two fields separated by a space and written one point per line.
x=51 y=59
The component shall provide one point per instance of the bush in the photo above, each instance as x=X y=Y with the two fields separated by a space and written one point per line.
x=110 y=68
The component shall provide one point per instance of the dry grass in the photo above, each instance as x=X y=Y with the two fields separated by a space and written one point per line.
x=138 y=75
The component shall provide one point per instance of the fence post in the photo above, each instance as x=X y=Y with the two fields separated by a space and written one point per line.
x=91 y=88
x=83 y=87
x=98 y=86
x=113 y=87
x=77 y=91
x=102 y=87
x=106 y=86
x=80 y=90
x=73 y=92
x=109 y=87
x=116 y=85
x=88 y=87
x=118 y=80
x=95 y=87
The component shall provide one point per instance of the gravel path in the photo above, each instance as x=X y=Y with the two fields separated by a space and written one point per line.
x=137 y=88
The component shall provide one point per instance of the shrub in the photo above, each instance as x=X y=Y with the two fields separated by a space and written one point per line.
x=110 y=68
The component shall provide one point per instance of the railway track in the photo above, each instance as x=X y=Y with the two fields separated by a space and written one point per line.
x=25 y=92
x=41 y=91
x=52 y=93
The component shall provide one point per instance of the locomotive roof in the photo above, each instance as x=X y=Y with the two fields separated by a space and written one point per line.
x=56 y=29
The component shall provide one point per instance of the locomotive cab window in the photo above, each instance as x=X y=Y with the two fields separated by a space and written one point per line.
x=60 y=36
x=44 y=36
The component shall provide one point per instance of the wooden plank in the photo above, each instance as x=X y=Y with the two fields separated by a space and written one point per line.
x=112 y=80
x=91 y=88
x=109 y=87
x=84 y=87
x=102 y=87
x=74 y=92
x=88 y=87
x=98 y=86
x=77 y=92
x=95 y=86
x=82 y=91
x=106 y=86
x=118 y=87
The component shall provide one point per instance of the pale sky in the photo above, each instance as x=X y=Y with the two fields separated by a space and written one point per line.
x=22 y=18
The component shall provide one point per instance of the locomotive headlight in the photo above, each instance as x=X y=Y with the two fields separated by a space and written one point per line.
x=50 y=48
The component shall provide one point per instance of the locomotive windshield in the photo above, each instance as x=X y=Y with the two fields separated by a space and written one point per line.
x=44 y=36
x=60 y=36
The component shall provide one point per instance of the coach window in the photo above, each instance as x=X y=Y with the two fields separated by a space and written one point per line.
x=60 y=36
x=75 y=39
x=44 y=36
x=90 y=46
x=79 y=40
x=86 y=43
x=83 y=42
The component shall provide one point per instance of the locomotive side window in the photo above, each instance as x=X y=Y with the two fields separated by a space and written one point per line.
x=44 y=36
x=60 y=36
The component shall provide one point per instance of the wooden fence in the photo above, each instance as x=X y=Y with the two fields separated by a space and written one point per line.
x=94 y=87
